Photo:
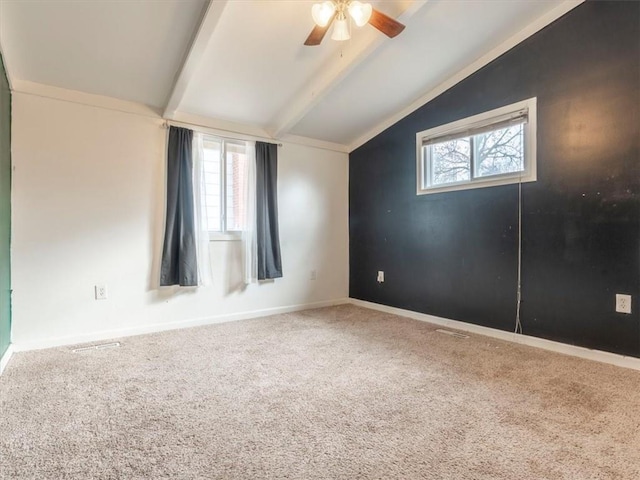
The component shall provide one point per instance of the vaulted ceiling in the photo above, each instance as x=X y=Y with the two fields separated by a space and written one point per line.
x=243 y=63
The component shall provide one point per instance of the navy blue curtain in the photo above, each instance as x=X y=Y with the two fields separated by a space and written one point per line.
x=179 y=261
x=269 y=259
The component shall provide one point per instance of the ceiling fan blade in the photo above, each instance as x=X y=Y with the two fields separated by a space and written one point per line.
x=385 y=23
x=318 y=33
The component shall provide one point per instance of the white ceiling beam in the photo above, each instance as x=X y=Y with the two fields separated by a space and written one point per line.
x=328 y=78
x=212 y=13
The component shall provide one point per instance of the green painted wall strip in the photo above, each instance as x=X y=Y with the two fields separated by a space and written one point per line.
x=5 y=210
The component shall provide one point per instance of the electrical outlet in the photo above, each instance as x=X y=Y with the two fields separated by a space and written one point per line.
x=380 y=276
x=313 y=275
x=623 y=303
x=101 y=292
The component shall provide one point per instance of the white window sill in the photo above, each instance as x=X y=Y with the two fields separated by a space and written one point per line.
x=476 y=183
x=225 y=237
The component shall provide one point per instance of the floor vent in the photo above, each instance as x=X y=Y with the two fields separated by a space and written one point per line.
x=453 y=334
x=101 y=346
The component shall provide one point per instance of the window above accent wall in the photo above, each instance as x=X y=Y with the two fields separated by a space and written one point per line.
x=489 y=149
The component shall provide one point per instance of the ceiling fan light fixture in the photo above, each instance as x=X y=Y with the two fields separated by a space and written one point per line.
x=360 y=12
x=340 y=14
x=322 y=13
x=340 y=30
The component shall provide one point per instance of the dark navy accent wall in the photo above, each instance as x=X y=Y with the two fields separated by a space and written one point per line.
x=454 y=254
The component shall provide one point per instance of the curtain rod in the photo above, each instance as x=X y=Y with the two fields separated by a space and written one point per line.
x=169 y=123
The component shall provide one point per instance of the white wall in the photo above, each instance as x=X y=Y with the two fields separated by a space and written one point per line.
x=88 y=208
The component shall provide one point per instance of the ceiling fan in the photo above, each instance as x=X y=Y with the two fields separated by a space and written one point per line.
x=326 y=13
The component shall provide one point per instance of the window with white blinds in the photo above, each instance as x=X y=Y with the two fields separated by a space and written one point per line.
x=493 y=148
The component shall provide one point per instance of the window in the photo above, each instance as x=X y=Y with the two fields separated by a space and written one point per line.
x=493 y=148
x=224 y=165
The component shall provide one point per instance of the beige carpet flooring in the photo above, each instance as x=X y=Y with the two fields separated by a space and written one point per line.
x=334 y=393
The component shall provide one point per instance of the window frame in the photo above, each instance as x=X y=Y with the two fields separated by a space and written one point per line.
x=462 y=127
x=224 y=234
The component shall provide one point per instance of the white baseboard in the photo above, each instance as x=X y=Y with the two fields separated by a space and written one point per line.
x=575 y=351
x=4 y=361
x=141 y=330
